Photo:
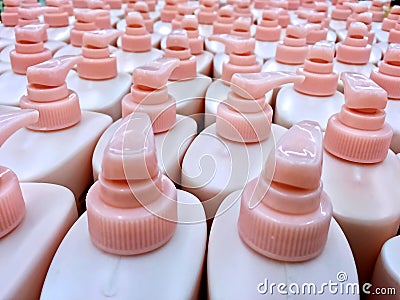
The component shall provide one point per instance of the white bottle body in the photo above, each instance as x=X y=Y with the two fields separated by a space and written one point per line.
x=292 y=107
x=214 y=167
x=170 y=272
x=339 y=67
x=381 y=35
x=365 y=199
x=235 y=271
x=271 y=65
x=129 y=61
x=27 y=251
x=171 y=146
x=393 y=118
x=337 y=25
x=59 y=34
x=13 y=87
x=265 y=50
x=102 y=96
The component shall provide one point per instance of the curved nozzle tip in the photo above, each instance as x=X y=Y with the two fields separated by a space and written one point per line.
x=134 y=18
x=156 y=73
x=235 y=44
x=298 y=32
x=392 y=55
x=362 y=93
x=100 y=38
x=11 y=122
x=86 y=15
x=316 y=17
x=322 y=51
x=357 y=29
x=30 y=33
x=365 y=17
x=29 y=13
x=189 y=21
x=177 y=38
x=52 y=72
x=256 y=85
x=270 y=14
x=356 y=7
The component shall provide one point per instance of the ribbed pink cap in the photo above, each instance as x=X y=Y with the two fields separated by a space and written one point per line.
x=387 y=75
x=208 y=12
x=55 y=17
x=390 y=21
x=354 y=50
x=356 y=9
x=242 y=8
x=97 y=64
x=177 y=46
x=114 y=4
x=288 y=219
x=149 y=94
x=307 y=4
x=317 y=31
x=169 y=11
x=293 y=49
x=136 y=37
x=245 y=116
x=29 y=47
x=225 y=19
x=359 y=132
x=12 y=205
x=366 y=18
x=320 y=80
x=85 y=20
x=241 y=55
x=132 y=208
x=196 y=42
x=268 y=29
x=142 y=8
x=47 y=93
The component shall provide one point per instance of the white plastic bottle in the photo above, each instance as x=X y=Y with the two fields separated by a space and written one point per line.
x=241 y=60
x=360 y=172
x=97 y=83
x=173 y=133
x=316 y=98
x=136 y=48
x=231 y=152
x=59 y=147
x=29 y=50
x=278 y=235
x=185 y=85
x=131 y=230
x=34 y=218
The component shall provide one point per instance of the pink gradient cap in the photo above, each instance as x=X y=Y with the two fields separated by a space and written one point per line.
x=65 y=5
x=356 y=9
x=377 y=10
x=132 y=208
x=354 y=50
x=9 y=17
x=366 y=18
x=245 y=116
x=29 y=47
x=241 y=55
x=184 y=9
x=169 y=11
x=55 y=17
x=293 y=49
x=317 y=31
x=79 y=4
x=178 y=47
x=207 y=13
x=341 y=12
x=387 y=75
x=268 y=29
x=143 y=9
x=103 y=19
x=12 y=205
x=149 y=94
x=390 y=21
x=29 y=15
x=114 y=4
x=359 y=132
x=97 y=64
x=394 y=34
x=320 y=80
x=225 y=19
x=85 y=20
x=196 y=43
x=241 y=27
x=136 y=37
x=48 y=93
x=307 y=4
x=285 y=214
x=283 y=17
x=242 y=8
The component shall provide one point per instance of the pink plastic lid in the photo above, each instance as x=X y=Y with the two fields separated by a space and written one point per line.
x=387 y=75
x=283 y=5
x=97 y=64
x=103 y=19
x=225 y=19
x=12 y=205
x=320 y=80
x=149 y=94
x=29 y=15
x=377 y=10
x=268 y=29
x=359 y=132
x=143 y=9
x=85 y=20
x=132 y=208
x=136 y=37
x=207 y=13
x=341 y=12
x=169 y=11
x=394 y=34
x=390 y=21
x=316 y=30
x=29 y=47
x=196 y=42
x=55 y=17
x=47 y=93
x=245 y=116
x=241 y=27
x=285 y=214
x=293 y=49
x=355 y=50
x=242 y=8
x=178 y=47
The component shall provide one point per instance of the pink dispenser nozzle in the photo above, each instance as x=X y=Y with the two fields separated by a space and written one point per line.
x=29 y=15
x=196 y=42
x=132 y=208
x=285 y=214
x=48 y=93
x=149 y=94
x=55 y=17
x=293 y=49
x=136 y=37
x=12 y=205
x=225 y=19
x=245 y=116
x=390 y=21
x=85 y=20
x=268 y=29
x=359 y=132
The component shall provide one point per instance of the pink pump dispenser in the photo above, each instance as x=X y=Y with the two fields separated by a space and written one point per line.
x=279 y=229
x=239 y=141
x=388 y=23
x=136 y=45
x=36 y=215
x=316 y=98
x=61 y=125
x=207 y=15
x=387 y=76
x=268 y=34
x=98 y=84
x=358 y=169
x=241 y=60
x=58 y=20
x=136 y=221
x=149 y=94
